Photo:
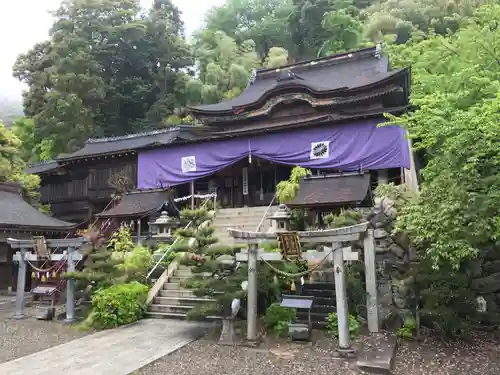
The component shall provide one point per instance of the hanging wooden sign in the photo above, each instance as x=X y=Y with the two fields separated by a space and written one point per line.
x=289 y=244
x=245 y=180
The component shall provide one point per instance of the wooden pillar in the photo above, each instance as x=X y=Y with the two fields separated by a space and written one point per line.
x=341 y=298
x=21 y=280
x=70 y=288
x=252 y=291
x=371 y=282
x=192 y=194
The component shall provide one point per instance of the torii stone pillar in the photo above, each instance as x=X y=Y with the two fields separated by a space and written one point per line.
x=332 y=236
x=23 y=255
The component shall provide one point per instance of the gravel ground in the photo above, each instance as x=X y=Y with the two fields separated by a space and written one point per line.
x=204 y=357
x=23 y=337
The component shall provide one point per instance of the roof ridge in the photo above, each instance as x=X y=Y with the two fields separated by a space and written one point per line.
x=41 y=162
x=322 y=60
x=131 y=136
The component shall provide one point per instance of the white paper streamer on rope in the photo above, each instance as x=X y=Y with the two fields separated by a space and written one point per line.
x=196 y=196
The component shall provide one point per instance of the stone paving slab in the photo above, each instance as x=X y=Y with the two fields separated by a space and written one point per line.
x=115 y=352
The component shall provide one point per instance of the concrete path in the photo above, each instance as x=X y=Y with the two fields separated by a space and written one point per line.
x=115 y=352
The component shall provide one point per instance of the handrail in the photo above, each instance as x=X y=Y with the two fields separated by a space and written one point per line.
x=265 y=214
x=175 y=241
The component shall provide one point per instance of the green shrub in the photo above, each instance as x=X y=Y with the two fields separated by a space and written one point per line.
x=118 y=305
x=277 y=318
x=407 y=331
x=344 y=219
x=332 y=325
x=137 y=263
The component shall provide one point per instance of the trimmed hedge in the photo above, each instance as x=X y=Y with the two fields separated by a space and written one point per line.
x=118 y=305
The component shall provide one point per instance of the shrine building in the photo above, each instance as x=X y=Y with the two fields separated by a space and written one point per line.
x=20 y=220
x=323 y=115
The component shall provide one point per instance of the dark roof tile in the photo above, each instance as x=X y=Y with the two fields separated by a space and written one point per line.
x=44 y=166
x=138 y=203
x=331 y=190
x=346 y=71
x=15 y=213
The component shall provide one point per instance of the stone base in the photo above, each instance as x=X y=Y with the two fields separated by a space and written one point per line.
x=299 y=332
x=377 y=354
x=45 y=312
x=227 y=336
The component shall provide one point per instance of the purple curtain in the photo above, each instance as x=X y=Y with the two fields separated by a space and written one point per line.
x=350 y=146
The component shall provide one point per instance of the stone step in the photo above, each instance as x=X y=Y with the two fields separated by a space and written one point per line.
x=178 y=279
x=180 y=316
x=163 y=315
x=179 y=293
x=178 y=309
x=173 y=286
x=182 y=301
x=238 y=219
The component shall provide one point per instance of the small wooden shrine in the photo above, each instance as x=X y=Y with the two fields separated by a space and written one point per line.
x=20 y=220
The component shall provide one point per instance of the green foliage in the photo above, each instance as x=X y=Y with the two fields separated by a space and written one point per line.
x=343 y=219
x=12 y=165
x=121 y=240
x=455 y=89
x=407 y=331
x=137 y=263
x=202 y=256
x=108 y=67
x=118 y=305
x=33 y=150
x=277 y=319
x=102 y=269
x=332 y=325
x=287 y=190
x=270 y=246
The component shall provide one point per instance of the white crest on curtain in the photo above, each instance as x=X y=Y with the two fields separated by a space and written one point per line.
x=188 y=164
x=320 y=150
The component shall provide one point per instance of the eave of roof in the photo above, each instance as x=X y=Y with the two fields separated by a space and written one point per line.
x=332 y=190
x=138 y=204
x=316 y=76
x=16 y=213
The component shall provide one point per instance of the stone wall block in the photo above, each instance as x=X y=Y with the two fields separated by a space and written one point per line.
x=397 y=250
x=487 y=285
x=491 y=267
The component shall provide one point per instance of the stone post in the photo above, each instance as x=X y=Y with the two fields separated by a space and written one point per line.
x=252 y=293
x=70 y=289
x=371 y=282
x=21 y=284
x=341 y=297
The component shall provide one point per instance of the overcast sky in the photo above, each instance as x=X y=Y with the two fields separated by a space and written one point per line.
x=25 y=22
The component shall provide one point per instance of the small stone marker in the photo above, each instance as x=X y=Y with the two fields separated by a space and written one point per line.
x=377 y=354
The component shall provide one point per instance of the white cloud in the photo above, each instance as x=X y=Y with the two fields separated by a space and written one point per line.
x=26 y=22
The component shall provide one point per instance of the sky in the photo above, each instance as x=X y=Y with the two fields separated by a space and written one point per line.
x=26 y=22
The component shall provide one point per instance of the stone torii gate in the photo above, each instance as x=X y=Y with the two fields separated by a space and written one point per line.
x=24 y=254
x=334 y=237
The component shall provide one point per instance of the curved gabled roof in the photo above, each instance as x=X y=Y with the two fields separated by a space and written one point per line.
x=347 y=71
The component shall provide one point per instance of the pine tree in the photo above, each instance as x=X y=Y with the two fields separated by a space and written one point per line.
x=101 y=269
x=205 y=257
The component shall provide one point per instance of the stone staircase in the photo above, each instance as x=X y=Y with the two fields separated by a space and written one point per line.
x=323 y=295
x=246 y=218
x=173 y=301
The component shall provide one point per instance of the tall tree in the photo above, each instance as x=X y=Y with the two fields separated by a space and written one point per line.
x=398 y=19
x=264 y=22
x=456 y=90
x=12 y=165
x=108 y=69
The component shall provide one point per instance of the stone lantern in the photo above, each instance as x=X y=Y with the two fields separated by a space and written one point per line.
x=163 y=227
x=281 y=219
